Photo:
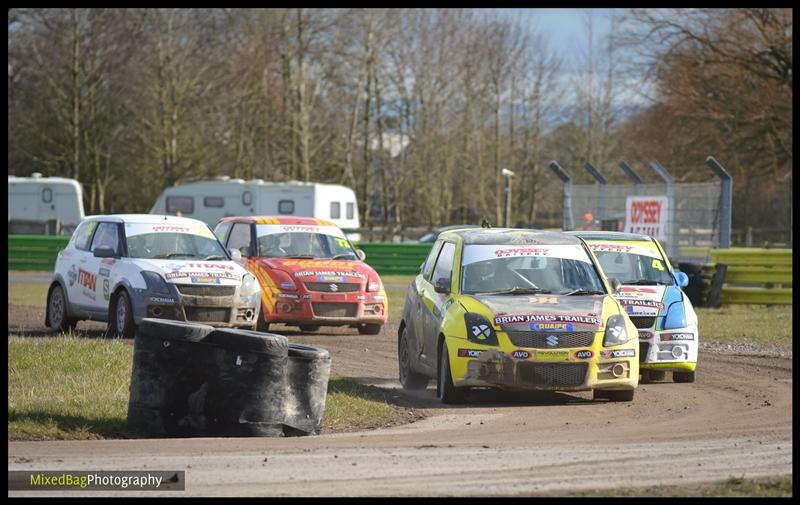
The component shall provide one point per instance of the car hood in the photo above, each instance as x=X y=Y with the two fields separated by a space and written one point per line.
x=319 y=270
x=540 y=312
x=195 y=272
x=643 y=300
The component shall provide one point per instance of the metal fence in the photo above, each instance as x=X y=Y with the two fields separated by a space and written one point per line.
x=697 y=220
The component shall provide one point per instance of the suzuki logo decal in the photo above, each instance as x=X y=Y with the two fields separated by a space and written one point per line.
x=334 y=287
x=552 y=340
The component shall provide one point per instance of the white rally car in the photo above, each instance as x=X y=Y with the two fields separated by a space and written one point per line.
x=122 y=268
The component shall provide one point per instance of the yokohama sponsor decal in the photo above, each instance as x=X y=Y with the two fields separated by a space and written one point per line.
x=545 y=318
x=620 y=353
x=469 y=353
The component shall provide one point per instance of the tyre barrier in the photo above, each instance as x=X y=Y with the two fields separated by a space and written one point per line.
x=192 y=380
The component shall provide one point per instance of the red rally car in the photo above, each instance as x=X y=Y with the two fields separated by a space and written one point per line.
x=310 y=274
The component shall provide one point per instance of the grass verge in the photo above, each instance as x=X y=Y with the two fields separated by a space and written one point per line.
x=23 y=293
x=780 y=486
x=70 y=388
x=747 y=323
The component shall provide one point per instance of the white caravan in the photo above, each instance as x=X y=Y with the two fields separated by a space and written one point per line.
x=210 y=201
x=44 y=205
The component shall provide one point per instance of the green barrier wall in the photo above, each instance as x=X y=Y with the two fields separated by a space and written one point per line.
x=33 y=252
x=395 y=259
x=755 y=276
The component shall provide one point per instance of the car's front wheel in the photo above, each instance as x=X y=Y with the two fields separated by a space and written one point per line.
x=408 y=377
x=369 y=329
x=615 y=396
x=121 y=318
x=57 y=310
x=445 y=389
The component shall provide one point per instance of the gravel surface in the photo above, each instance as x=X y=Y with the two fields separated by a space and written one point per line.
x=747 y=349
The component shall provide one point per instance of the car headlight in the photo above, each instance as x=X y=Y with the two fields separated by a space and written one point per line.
x=479 y=329
x=615 y=331
x=676 y=316
x=155 y=283
x=250 y=286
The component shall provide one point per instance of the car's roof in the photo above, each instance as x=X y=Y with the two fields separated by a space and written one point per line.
x=144 y=219
x=609 y=235
x=278 y=220
x=503 y=236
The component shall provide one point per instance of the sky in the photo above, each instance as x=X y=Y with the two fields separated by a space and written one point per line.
x=565 y=28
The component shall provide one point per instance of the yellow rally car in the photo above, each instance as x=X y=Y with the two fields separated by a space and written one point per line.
x=516 y=310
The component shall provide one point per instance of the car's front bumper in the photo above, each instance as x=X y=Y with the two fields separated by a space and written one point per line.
x=667 y=350
x=326 y=309
x=543 y=370
x=223 y=309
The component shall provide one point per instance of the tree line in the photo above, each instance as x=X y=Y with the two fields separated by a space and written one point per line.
x=418 y=110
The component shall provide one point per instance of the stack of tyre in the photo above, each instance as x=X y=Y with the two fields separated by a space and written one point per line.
x=192 y=380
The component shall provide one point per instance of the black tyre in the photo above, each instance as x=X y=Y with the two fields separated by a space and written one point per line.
x=309 y=328
x=408 y=378
x=614 y=396
x=57 y=317
x=121 y=316
x=261 y=324
x=683 y=376
x=649 y=376
x=253 y=341
x=445 y=390
x=370 y=329
x=174 y=330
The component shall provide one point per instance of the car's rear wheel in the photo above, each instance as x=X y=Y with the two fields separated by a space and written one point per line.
x=261 y=324
x=57 y=310
x=649 y=376
x=446 y=390
x=369 y=329
x=309 y=328
x=121 y=318
x=615 y=396
x=683 y=376
x=408 y=377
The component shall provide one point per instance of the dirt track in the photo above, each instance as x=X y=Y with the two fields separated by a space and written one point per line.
x=735 y=420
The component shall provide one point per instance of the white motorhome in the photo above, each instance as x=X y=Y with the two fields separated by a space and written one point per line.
x=44 y=205
x=210 y=201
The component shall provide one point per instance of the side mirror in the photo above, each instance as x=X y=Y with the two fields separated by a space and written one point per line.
x=105 y=252
x=615 y=284
x=236 y=255
x=442 y=285
x=682 y=278
x=361 y=254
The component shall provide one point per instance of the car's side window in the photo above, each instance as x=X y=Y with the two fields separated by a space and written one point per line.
x=240 y=239
x=106 y=236
x=84 y=234
x=222 y=231
x=427 y=267
x=444 y=265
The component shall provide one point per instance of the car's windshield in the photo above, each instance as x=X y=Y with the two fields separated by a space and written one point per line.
x=557 y=269
x=288 y=241
x=165 y=242
x=632 y=264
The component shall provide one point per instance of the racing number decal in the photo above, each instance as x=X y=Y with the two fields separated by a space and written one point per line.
x=657 y=265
